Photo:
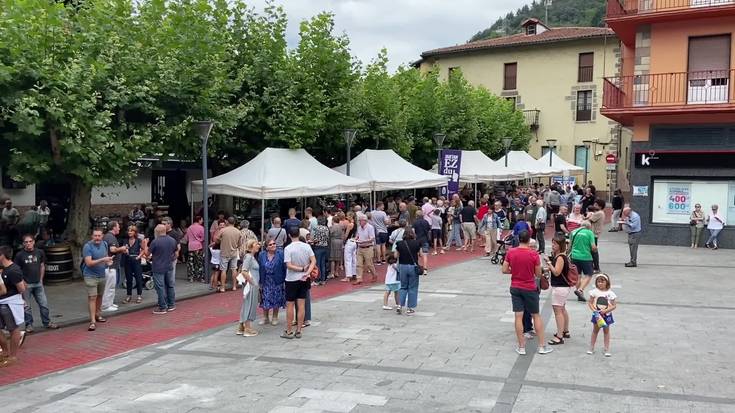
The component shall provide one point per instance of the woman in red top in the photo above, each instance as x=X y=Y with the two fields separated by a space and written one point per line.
x=524 y=265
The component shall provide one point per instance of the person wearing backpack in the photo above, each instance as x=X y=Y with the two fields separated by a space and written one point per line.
x=563 y=279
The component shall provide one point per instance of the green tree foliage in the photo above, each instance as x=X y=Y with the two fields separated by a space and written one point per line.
x=561 y=13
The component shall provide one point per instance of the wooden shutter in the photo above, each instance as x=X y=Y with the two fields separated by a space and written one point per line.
x=510 y=76
x=706 y=54
x=586 y=67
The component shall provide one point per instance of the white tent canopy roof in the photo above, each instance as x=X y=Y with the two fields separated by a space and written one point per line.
x=476 y=167
x=282 y=173
x=386 y=170
x=558 y=163
x=522 y=161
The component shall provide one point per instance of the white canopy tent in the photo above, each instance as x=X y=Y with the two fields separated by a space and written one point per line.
x=558 y=163
x=522 y=161
x=282 y=173
x=385 y=170
x=477 y=167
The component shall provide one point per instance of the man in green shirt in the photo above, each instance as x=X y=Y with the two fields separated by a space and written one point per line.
x=582 y=242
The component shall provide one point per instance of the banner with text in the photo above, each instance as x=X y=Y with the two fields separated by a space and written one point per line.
x=451 y=159
x=679 y=199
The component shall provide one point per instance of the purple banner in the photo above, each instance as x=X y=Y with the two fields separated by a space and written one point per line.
x=450 y=159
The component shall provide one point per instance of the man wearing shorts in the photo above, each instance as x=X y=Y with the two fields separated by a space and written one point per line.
x=229 y=245
x=300 y=260
x=582 y=243
x=380 y=222
x=524 y=266
x=469 y=226
x=95 y=260
x=11 y=306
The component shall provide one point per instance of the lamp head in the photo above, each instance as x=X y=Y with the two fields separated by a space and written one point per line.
x=439 y=139
x=349 y=136
x=507 y=142
x=203 y=128
x=551 y=142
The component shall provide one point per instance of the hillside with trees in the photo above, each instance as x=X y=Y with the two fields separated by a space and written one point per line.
x=561 y=13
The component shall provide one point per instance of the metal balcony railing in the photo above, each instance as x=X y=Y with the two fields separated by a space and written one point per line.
x=532 y=118
x=669 y=89
x=621 y=8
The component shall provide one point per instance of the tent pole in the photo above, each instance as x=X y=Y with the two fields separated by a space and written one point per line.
x=475 y=190
x=191 y=201
x=262 y=220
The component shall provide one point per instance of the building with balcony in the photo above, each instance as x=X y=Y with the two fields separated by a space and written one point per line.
x=675 y=93
x=555 y=76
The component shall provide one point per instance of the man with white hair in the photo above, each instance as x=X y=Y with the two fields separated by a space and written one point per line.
x=468 y=215
x=632 y=225
x=365 y=243
x=540 y=225
x=582 y=244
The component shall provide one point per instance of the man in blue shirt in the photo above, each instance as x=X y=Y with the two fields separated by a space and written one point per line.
x=96 y=259
x=163 y=256
x=632 y=225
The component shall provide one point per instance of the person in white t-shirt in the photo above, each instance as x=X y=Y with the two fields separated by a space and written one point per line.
x=602 y=302
x=392 y=284
x=715 y=225
x=300 y=261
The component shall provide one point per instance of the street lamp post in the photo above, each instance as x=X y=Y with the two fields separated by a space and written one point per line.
x=203 y=129
x=586 y=159
x=552 y=145
x=439 y=140
x=349 y=138
x=506 y=143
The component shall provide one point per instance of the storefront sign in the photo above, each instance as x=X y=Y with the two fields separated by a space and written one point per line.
x=451 y=159
x=679 y=200
x=640 y=191
x=684 y=159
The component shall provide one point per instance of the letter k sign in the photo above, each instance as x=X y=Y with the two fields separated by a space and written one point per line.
x=645 y=160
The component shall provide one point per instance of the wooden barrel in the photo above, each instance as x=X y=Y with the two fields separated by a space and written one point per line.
x=59 y=263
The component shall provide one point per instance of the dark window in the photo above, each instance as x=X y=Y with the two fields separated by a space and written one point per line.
x=692 y=135
x=544 y=150
x=510 y=76
x=584 y=105
x=586 y=67
x=531 y=29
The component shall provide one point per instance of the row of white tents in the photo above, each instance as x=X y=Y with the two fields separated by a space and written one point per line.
x=291 y=173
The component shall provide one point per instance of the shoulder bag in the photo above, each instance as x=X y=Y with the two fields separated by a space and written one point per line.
x=572 y=275
x=419 y=269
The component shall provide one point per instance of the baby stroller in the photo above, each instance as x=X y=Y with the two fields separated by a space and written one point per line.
x=502 y=249
x=147 y=278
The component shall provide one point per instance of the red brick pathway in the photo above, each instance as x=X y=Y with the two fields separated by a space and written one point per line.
x=52 y=351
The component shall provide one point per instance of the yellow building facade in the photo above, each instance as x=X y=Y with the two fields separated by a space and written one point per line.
x=555 y=76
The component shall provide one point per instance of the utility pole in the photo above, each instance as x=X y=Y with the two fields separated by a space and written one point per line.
x=547 y=4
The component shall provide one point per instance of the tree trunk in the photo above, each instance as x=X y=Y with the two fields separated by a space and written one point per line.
x=77 y=228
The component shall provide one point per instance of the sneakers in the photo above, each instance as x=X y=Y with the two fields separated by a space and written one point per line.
x=159 y=311
x=545 y=350
x=249 y=333
x=387 y=307
x=410 y=311
x=580 y=296
x=170 y=309
x=239 y=330
x=521 y=351
x=591 y=351
x=263 y=322
x=608 y=353
x=630 y=265
x=398 y=310
x=110 y=309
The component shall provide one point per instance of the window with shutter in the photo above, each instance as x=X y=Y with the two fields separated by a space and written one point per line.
x=586 y=67
x=584 y=105
x=510 y=76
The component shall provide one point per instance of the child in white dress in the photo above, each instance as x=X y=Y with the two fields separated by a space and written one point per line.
x=391 y=283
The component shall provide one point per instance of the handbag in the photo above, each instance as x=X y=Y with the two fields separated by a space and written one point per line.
x=544 y=282
x=314 y=274
x=692 y=222
x=572 y=275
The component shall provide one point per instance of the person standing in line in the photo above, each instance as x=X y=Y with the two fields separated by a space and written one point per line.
x=469 y=226
x=133 y=267
x=350 y=256
x=320 y=245
x=300 y=260
x=558 y=267
x=631 y=222
x=176 y=235
x=32 y=262
x=251 y=273
x=489 y=228
x=365 y=241
x=560 y=221
x=116 y=252
x=407 y=252
x=380 y=220
x=163 y=253
x=540 y=226
x=422 y=229
x=617 y=205
x=596 y=217
x=12 y=288
x=436 y=231
x=277 y=233
x=195 y=260
x=524 y=265
x=582 y=245
x=272 y=277
x=291 y=221
x=95 y=260
x=229 y=245
x=336 y=246
x=309 y=212
x=554 y=202
x=715 y=225
x=696 y=224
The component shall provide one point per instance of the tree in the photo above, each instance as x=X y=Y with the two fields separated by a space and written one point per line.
x=88 y=90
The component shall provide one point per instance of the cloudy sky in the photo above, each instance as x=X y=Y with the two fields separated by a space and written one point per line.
x=404 y=27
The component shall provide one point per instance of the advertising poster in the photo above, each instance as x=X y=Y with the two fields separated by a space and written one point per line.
x=678 y=200
x=564 y=180
x=451 y=160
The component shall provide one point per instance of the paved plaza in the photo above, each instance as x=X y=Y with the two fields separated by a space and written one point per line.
x=455 y=354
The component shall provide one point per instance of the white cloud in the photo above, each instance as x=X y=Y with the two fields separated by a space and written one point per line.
x=404 y=27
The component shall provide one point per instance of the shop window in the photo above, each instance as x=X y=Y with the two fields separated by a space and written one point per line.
x=673 y=200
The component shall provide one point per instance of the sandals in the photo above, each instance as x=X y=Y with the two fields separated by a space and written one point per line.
x=556 y=343
x=287 y=335
x=297 y=334
x=139 y=300
x=565 y=334
x=101 y=319
x=92 y=327
x=127 y=300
